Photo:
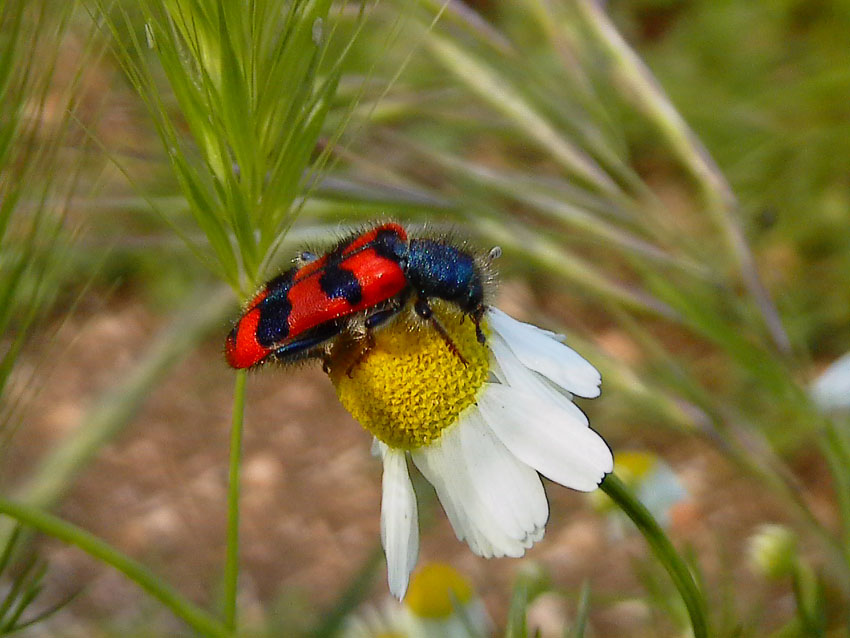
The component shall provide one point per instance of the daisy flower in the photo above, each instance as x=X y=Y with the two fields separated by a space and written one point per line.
x=479 y=421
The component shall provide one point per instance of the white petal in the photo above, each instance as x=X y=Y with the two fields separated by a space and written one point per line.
x=509 y=488
x=541 y=351
x=516 y=375
x=432 y=464
x=831 y=390
x=444 y=465
x=399 y=522
x=545 y=437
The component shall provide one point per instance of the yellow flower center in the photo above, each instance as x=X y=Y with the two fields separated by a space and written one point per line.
x=435 y=591
x=411 y=385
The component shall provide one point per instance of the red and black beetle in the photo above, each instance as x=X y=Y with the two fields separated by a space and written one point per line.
x=362 y=282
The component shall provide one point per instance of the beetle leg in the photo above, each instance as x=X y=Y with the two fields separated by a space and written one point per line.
x=476 y=317
x=301 y=348
x=369 y=338
x=423 y=309
x=479 y=334
x=371 y=322
x=377 y=318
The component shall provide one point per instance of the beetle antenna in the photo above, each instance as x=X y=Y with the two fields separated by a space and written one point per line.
x=445 y=335
x=423 y=309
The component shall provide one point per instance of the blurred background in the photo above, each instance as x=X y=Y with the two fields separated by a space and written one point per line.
x=668 y=180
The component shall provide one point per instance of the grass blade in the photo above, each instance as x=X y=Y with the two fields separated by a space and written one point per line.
x=192 y=615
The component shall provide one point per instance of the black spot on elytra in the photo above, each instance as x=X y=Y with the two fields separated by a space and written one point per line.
x=389 y=245
x=337 y=282
x=273 y=326
x=280 y=285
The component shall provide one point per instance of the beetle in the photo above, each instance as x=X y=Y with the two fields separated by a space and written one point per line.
x=361 y=283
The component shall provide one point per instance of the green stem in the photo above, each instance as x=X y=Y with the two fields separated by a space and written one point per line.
x=231 y=565
x=805 y=585
x=838 y=456
x=194 y=616
x=663 y=549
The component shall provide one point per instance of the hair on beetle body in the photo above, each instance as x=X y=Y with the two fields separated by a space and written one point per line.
x=364 y=281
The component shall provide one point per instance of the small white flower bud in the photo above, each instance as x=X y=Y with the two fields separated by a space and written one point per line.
x=772 y=551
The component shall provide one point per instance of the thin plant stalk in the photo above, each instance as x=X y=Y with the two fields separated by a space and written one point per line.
x=195 y=617
x=583 y=609
x=231 y=564
x=541 y=251
x=838 y=456
x=490 y=87
x=664 y=551
x=717 y=195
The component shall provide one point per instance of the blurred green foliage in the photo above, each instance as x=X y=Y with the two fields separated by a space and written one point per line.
x=765 y=85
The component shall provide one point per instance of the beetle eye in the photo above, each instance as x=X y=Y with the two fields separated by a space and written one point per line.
x=305 y=257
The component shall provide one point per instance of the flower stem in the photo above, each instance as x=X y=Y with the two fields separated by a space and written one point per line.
x=664 y=551
x=837 y=453
x=194 y=616
x=231 y=565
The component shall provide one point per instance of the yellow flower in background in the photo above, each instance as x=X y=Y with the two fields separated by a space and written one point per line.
x=654 y=483
x=441 y=603
x=478 y=420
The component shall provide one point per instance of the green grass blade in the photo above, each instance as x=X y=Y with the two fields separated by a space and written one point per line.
x=552 y=258
x=582 y=612
x=31 y=591
x=516 y=626
x=482 y=79
x=252 y=98
x=15 y=593
x=192 y=615
x=719 y=200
